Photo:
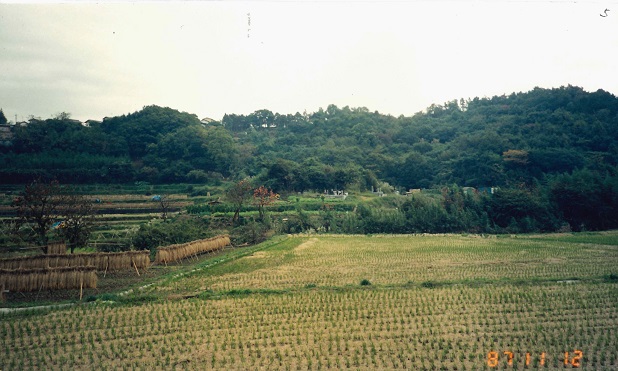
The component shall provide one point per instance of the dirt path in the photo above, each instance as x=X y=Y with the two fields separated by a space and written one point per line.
x=22 y=309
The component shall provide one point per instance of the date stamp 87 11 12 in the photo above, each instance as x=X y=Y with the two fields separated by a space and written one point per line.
x=493 y=358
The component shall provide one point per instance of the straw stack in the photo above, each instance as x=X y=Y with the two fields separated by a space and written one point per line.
x=57 y=248
x=180 y=251
x=101 y=261
x=23 y=280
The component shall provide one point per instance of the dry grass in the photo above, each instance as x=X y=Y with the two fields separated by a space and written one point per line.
x=24 y=280
x=334 y=261
x=57 y=248
x=177 y=252
x=101 y=261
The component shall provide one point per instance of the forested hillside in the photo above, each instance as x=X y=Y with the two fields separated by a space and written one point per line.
x=500 y=141
x=550 y=151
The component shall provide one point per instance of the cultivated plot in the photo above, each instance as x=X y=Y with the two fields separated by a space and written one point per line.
x=434 y=302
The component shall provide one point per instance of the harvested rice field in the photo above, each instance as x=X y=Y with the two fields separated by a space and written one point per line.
x=351 y=302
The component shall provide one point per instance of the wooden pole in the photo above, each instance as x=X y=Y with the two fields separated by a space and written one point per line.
x=81 y=287
x=37 y=294
x=135 y=265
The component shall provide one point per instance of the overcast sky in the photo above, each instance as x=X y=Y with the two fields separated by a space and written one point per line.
x=211 y=58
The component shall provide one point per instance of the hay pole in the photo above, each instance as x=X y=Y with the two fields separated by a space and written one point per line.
x=135 y=265
x=40 y=288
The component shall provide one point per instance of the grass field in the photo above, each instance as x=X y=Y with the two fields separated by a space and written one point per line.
x=426 y=303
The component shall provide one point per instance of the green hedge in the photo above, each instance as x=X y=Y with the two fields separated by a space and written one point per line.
x=228 y=208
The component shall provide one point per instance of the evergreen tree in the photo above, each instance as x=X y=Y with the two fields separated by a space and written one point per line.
x=3 y=120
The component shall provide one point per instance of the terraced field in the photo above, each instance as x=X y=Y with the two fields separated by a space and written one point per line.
x=425 y=303
x=119 y=214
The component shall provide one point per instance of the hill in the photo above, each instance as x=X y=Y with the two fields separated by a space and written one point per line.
x=552 y=152
x=498 y=141
x=495 y=141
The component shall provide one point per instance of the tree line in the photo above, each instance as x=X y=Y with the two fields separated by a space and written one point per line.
x=555 y=145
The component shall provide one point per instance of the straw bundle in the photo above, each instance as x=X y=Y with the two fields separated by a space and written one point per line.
x=193 y=248
x=23 y=280
x=57 y=248
x=123 y=260
x=101 y=261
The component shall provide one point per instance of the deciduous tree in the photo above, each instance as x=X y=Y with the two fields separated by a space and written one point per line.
x=78 y=215
x=42 y=204
x=238 y=196
x=262 y=197
x=37 y=209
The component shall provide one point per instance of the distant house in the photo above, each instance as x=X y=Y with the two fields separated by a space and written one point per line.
x=89 y=123
x=6 y=135
x=72 y=121
x=378 y=192
x=5 y=130
x=469 y=190
x=487 y=190
x=336 y=194
x=207 y=120
x=413 y=191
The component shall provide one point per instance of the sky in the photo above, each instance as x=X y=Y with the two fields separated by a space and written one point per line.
x=211 y=57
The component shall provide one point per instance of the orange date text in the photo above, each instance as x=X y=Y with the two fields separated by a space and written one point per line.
x=494 y=358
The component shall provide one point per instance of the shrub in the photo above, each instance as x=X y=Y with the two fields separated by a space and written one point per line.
x=428 y=284
x=177 y=230
x=250 y=233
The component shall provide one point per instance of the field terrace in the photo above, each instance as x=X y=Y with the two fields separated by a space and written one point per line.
x=434 y=302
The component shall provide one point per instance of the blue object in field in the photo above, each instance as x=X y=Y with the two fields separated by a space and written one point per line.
x=156 y=198
x=56 y=224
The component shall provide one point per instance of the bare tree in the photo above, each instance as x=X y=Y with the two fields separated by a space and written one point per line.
x=37 y=209
x=165 y=203
x=41 y=205
x=238 y=195
x=78 y=216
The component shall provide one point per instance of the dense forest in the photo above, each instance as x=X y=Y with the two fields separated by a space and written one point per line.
x=548 y=151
